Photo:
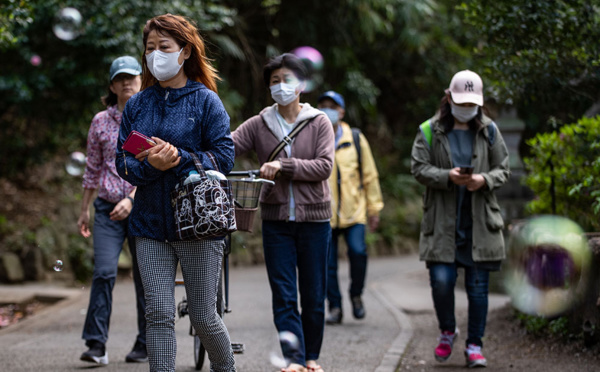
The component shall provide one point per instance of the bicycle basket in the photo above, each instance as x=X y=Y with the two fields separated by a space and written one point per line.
x=246 y=192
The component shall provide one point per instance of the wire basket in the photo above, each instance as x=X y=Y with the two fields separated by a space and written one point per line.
x=246 y=192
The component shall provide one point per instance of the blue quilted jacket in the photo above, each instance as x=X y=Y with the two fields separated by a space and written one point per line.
x=191 y=118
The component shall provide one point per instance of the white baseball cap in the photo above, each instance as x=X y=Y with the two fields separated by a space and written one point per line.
x=466 y=87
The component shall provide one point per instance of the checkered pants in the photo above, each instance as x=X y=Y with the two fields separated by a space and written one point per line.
x=201 y=267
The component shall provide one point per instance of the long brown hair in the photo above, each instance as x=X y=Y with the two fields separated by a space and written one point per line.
x=198 y=67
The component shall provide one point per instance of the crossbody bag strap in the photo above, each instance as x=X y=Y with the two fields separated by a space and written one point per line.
x=287 y=140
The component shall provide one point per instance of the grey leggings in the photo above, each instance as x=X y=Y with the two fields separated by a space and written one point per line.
x=201 y=266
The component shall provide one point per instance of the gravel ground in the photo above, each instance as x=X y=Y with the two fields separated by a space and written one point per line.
x=507 y=347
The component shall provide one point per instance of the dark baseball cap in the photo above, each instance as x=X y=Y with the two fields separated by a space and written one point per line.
x=335 y=96
x=125 y=65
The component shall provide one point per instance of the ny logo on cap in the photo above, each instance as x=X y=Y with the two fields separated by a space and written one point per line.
x=469 y=86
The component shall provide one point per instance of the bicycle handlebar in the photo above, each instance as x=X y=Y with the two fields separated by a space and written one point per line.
x=249 y=173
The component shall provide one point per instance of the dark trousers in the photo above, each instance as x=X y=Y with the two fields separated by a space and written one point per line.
x=357 y=257
x=108 y=238
x=442 y=278
x=296 y=252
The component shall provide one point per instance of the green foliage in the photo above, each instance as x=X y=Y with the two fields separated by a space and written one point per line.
x=541 y=55
x=13 y=14
x=571 y=157
x=47 y=107
x=80 y=257
x=539 y=326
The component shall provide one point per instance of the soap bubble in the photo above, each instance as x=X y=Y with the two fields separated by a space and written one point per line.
x=313 y=60
x=547 y=266
x=67 y=24
x=277 y=360
x=58 y=265
x=289 y=345
x=35 y=60
x=76 y=164
x=289 y=339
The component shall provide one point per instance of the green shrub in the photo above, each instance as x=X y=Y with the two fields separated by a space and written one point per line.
x=569 y=157
x=539 y=326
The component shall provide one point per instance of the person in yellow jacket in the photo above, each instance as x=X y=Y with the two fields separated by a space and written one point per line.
x=356 y=201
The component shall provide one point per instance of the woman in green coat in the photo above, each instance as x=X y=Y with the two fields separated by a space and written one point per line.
x=460 y=156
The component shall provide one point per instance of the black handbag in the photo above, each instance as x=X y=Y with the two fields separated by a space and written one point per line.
x=203 y=208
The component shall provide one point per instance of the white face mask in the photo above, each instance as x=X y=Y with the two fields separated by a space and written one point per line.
x=163 y=66
x=332 y=114
x=463 y=114
x=284 y=94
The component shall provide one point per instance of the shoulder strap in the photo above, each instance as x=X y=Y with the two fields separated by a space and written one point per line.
x=492 y=133
x=426 y=131
x=356 y=138
x=198 y=164
x=287 y=140
x=213 y=160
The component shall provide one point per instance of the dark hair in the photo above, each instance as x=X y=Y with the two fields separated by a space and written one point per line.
x=447 y=119
x=289 y=61
x=110 y=99
x=198 y=67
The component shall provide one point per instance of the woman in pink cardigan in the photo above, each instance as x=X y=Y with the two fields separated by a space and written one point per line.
x=296 y=210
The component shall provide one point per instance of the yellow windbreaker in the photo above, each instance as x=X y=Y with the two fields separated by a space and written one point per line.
x=349 y=202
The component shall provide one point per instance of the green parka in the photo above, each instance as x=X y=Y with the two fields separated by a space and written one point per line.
x=431 y=165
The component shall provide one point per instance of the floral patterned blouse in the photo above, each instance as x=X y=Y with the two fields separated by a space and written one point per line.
x=100 y=171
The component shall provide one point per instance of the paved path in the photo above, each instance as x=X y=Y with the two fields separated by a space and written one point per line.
x=51 y=340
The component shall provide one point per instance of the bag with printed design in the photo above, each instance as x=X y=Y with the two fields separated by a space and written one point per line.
x=203 y=205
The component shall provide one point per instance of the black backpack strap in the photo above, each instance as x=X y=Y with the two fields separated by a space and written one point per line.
x=287 y=140
x=356 y=138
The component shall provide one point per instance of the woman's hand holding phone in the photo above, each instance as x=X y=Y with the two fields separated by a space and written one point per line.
x=459 y=178
x=163 y=156
x=473 y=181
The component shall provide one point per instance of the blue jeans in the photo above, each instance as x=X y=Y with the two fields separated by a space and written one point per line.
x=108 y=238
x=357 y=256
x=301 y=246
x=442 y=278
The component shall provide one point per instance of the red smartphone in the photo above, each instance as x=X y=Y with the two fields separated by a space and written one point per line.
x=466 y=169
x=136 y=142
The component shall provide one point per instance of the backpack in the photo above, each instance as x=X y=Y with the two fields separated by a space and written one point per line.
x=356 y=138
x=428 y=132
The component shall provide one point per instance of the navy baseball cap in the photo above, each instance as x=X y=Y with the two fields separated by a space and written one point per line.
x=336 y=97
x=125 y=65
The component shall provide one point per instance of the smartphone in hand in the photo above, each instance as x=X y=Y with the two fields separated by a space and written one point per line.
x=466 y=169
x=137 y=142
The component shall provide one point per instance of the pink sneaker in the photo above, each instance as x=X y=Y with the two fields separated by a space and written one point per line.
x=474 y=357
x=444 y=348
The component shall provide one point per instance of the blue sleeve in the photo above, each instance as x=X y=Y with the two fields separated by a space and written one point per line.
x=129 y=168
x=216 y=139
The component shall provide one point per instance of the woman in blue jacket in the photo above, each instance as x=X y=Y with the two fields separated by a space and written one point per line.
x=179 y=108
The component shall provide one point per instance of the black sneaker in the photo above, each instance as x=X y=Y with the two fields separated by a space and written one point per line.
x=335 y=316
x=138 y=354
x=358 y=310
x=96 y=354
